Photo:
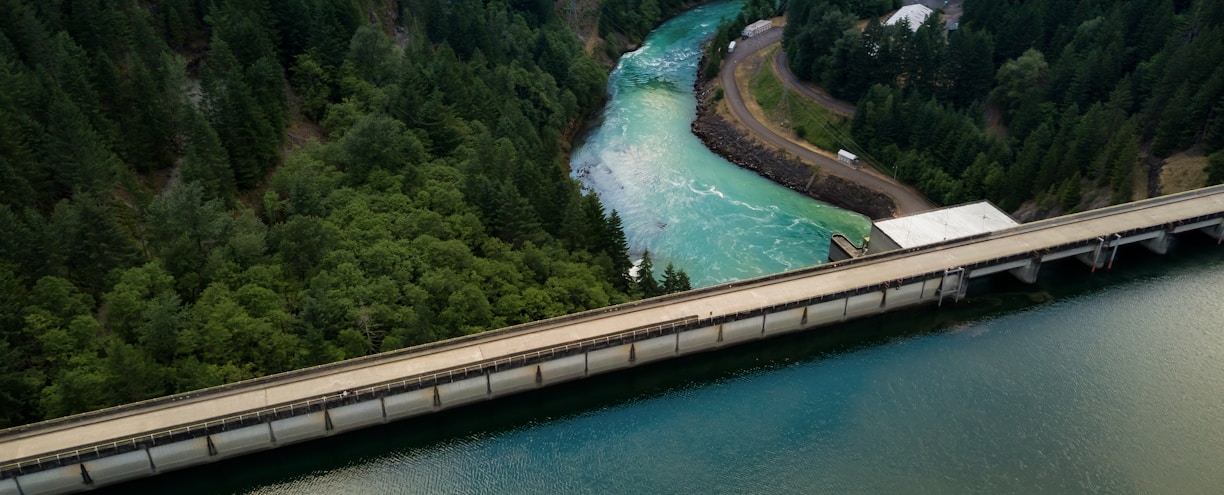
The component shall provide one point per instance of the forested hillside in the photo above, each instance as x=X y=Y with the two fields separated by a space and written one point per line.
x=161 y=235
x=1052 y=100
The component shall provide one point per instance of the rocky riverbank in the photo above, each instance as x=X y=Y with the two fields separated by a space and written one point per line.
x=731 y=142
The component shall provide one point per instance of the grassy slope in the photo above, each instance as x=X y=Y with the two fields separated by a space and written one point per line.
x=788 y=110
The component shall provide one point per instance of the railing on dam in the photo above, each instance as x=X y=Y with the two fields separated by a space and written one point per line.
x=421 y=381
x=317 y=404
x=435 y=377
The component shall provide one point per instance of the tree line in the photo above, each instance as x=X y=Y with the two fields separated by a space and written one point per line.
x=158 y=237
x=1041 y=100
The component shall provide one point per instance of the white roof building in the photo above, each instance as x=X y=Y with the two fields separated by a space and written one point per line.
x=921 y=229
x=757 y=27
x=915 y=14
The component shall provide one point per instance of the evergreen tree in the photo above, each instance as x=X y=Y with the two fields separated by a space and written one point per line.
x=205 y=161
x=675 y=280
x=76 y=157
x=87 y=241
x=970 y=65
x=646 y=284
x=682 y=281
x=618 y=249
x=1069 y=193
x=184 y=228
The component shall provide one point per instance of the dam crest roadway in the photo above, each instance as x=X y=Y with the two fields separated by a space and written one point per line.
x=114 y=445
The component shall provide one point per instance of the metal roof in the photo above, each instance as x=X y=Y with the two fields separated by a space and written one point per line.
x=954 y=222
x=916 y=14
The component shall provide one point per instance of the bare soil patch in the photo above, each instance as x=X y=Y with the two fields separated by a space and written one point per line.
x=1183 y=172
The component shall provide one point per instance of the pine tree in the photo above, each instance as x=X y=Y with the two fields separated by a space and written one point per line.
x=77 y=158
x=669 y=279
x=1069 y=193
x=617 y=248
x=675 y=280
x=16 y=161
x=237 y=117
x=682 y=281
x=970 y=65
x=646 y=284
x=1213 y=138
x=88 y=241
x=205 y=160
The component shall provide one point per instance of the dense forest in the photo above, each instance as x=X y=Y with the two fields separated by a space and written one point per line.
x=194 y=192
x=1055 y=101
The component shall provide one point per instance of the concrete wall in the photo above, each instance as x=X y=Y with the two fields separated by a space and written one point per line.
x=864 y=304
x=930 y=288
x=318 y=424
x=514 y=380
x=1216 y=232
x=826 y=312
x=65 y=479
x=9 y=487
x=179 y=454
x=880 y=242
x=902 y=296
x=612 y=358
x=357 y=415
x=407 y=404
x=561 y=370
x=117 y=468
x=742 y=330
x=785 y=321
x=462 y=392
x=242 y=441
x=299 y=428
x=1028 y=273
x=700 y=339
x=311 y=425
x=1159 y=244
x=654 y=349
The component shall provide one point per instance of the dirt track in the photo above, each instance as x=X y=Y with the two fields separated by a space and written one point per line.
x=904 y=199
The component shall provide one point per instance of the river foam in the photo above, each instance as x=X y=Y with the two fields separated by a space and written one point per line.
x=685 y=204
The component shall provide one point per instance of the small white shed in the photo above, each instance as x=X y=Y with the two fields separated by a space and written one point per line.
x=757 y=27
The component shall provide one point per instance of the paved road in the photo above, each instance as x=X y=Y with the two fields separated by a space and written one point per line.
x=906 y=198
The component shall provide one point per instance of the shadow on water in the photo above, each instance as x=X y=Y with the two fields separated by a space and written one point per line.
x=988 y=298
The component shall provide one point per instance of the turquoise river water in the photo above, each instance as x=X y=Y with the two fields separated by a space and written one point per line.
x=1110 y=382
x=685 y=204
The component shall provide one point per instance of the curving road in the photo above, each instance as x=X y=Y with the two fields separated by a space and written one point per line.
x=781 y=68
x=907 y=199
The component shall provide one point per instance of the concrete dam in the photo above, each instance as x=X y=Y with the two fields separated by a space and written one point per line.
x=105 y=447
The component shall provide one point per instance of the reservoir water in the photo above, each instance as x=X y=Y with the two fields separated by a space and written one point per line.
x=1111 y=382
